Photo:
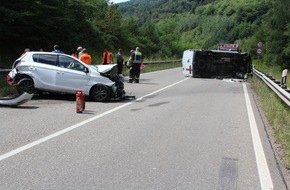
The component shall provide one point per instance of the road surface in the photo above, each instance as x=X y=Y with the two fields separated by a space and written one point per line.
x=179 y=133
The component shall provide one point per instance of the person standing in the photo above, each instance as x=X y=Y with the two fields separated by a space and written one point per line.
x=76 y=54
x=85 y=57
x=25 y=51
x=107 y=57
x=56 y=49
x=136 y=60
x=120 y=61
x=129 y=63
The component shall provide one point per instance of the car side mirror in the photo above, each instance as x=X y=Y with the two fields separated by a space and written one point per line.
x=86 y=70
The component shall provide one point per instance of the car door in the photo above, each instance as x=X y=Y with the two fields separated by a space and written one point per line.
x=43 y=71
x=71 y=75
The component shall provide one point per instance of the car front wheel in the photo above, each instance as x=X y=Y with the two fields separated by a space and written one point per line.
x=99 y=93
x=25 y=85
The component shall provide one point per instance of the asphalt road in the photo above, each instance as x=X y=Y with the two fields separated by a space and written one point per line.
x=179 y=133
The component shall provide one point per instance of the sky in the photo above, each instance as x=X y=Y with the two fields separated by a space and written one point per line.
x=118 y=1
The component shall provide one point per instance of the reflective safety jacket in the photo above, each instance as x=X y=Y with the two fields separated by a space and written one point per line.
x=107 y=58
x=137 y=57
x=86 y=58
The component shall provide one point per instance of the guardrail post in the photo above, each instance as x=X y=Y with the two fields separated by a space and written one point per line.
x=284 y=78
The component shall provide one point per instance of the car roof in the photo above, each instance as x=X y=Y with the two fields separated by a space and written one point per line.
x=44 y=52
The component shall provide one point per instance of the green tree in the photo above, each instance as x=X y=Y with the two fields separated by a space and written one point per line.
x=276 y=25
x=94 y=24
x=149 y=38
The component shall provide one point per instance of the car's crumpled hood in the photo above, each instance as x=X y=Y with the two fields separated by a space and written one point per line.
x=105 y=68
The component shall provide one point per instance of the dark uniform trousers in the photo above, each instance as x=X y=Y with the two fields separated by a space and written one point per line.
x=135 y=72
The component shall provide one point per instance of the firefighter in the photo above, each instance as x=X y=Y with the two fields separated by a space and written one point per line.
x=85 y=57
x=136 y=60
x=107 y=57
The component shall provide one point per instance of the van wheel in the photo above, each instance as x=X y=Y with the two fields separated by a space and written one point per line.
x=99 y=93
x=25 y=85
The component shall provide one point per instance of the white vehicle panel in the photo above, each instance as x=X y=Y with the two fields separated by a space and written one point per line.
x=43 y=75
x=69 y=80
x=187 y=61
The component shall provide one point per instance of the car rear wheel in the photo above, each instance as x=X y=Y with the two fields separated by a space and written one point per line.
x=25 y=85
x=99 y=93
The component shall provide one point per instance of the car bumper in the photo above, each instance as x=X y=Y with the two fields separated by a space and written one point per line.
x=16 y=101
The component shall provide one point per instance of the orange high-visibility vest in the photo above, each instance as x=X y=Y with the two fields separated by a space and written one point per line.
x=86 y=58
x=109 y=58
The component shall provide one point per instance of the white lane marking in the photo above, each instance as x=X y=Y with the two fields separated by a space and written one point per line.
x=61 y=132
x=263 y=170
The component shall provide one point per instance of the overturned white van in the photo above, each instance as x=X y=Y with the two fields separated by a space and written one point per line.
x=216 y=64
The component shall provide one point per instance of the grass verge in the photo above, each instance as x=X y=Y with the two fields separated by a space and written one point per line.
x=155 y=67
x=5 y=89
x=278 y=117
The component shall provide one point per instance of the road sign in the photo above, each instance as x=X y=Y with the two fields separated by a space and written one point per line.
x=260 y=45
x=284 y=78
x=260 y=48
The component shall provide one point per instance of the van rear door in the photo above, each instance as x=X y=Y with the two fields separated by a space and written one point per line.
x=187 y=61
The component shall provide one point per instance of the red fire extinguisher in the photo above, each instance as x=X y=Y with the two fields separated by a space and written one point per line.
x=80 y=101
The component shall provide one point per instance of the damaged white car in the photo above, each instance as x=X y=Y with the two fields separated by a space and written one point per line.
x=60 y=73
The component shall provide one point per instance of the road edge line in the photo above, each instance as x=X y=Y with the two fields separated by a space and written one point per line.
x=263 y=169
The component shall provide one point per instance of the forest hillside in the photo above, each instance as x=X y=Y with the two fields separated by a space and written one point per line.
x=203 y=24
x=162 y=28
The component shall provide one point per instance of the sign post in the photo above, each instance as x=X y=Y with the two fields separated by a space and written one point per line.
x=284 y=78
x=260 y=48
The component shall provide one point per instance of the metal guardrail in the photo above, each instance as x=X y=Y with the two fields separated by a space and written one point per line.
x=284 y=94
x=4 y=72
x=156 y=62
